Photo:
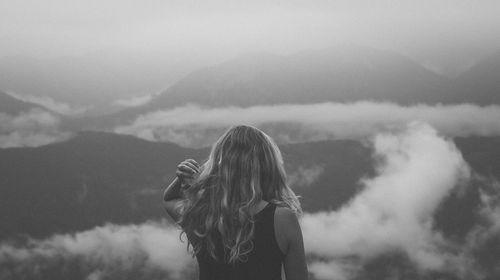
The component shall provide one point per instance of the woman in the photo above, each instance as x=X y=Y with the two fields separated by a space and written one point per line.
x=238 y=213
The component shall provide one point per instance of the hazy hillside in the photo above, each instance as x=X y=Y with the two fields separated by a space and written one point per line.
x=340 y=74
x=13 y=106
x=98 y=177
x=90 y=179
x=481 y=83
x=99 y=77
x=343 y=73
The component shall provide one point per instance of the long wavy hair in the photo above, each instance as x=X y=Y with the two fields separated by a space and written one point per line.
x=244 y=167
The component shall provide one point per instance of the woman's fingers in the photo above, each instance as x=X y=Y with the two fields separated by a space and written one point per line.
x=193 y=162
x=185 y=167
x=193 y=167
x=183 y=174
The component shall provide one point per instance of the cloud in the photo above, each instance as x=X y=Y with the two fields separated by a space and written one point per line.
x=304 y=175
x=417 y=169
x=194 y=126
x=34 y=128
x=334 y=270
x=135 y=100
x=49 y=103
x=476 y=257
x=153 y=249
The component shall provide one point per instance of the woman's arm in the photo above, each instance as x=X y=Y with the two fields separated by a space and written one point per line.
x=171 y=199
x=172 y=195
x=289 y=237
x=173 y=191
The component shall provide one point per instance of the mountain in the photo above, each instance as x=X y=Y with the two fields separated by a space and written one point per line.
x=99 y=77
x=338 y=74
x=481 y=83
x=13 y=106
x=344 y=73
x=85 y=181
x=99 y=177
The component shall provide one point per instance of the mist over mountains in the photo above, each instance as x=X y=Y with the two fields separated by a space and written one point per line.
x=340 y=74
x=345 y=73
x=13 y=106
x=97 y=178
x=369 y=137
x=98 y=77
x=481 y=83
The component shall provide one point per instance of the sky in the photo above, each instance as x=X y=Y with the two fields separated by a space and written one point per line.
x=447 y=35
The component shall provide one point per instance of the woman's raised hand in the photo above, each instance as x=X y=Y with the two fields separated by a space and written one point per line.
x=187 y=170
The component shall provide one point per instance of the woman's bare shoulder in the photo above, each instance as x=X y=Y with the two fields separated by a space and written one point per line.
x=285 y=214
x=286 y=218
x=287 y=228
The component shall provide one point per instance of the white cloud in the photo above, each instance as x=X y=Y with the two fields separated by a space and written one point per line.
x=135 y=100
x=304 y=175
x=49 y=103
x=394 y=212
x=417 y=168
x=152 y=246
x=334 y=270
x=486 y=232
x=34 y=128
x=194 y=126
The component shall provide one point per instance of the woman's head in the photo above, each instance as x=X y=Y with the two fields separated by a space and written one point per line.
x=244 y=167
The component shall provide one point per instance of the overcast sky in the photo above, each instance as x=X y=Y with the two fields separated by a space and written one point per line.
x=439 y=33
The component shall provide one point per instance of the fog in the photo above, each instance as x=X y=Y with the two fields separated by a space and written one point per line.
x=195 y=126
x=104 y=252
x=447 y=35
x=100 y=56
x=30 y=129
x=60 y=107
x=392 y=214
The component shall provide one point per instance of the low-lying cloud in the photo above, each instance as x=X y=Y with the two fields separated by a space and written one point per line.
x=417 y=169
x=30 y=129
x=195 y=126
x=149 y=251
x=479 y=254
x=135 y=100
x=394 y=212
x=304 y=175
x=49 y=103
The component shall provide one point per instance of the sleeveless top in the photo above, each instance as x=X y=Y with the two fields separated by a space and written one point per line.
x=263 y=263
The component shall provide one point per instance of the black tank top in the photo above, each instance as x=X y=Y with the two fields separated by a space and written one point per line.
x=264 y=261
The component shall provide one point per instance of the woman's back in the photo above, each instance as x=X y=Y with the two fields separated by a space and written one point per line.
x=264 y=261
x=243 y=171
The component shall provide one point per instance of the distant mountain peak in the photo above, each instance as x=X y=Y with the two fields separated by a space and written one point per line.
x=336 y=74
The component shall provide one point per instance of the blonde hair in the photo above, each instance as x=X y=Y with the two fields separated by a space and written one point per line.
x=244 y=166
